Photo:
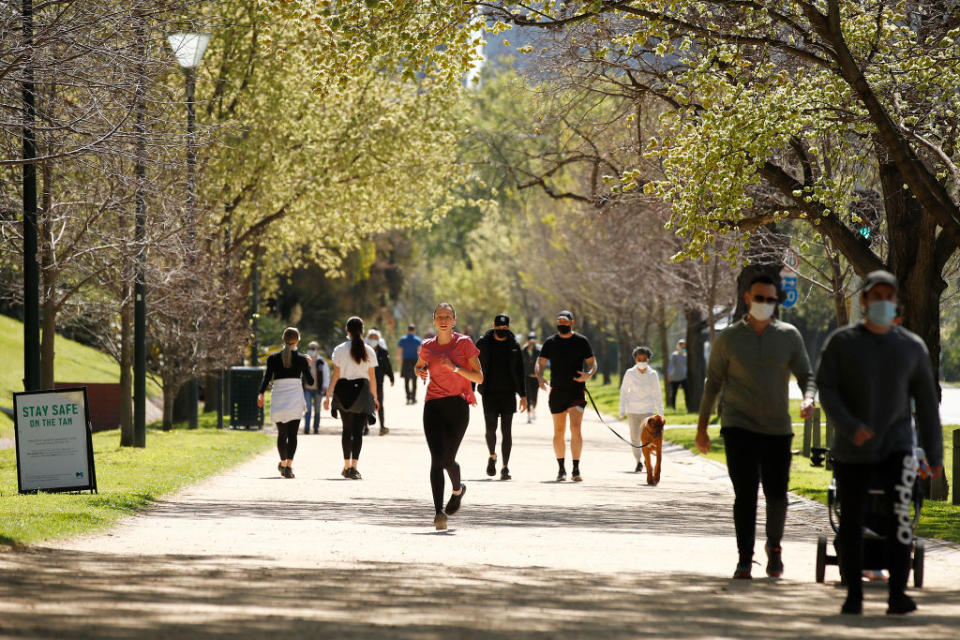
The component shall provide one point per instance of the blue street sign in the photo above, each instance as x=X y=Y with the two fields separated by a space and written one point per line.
x=788 y=284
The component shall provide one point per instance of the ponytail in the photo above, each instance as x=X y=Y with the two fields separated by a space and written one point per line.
x=290 y=337
x=358 y=348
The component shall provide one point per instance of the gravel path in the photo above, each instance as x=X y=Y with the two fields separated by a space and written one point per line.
x=249 y=554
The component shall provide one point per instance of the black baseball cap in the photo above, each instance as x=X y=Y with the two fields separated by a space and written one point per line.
x=879 y=277
x=501 y=320
x=565 y=314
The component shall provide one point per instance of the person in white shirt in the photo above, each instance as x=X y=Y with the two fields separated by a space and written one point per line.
x=640 y=397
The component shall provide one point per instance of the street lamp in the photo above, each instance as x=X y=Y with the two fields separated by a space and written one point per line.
x=189 y=49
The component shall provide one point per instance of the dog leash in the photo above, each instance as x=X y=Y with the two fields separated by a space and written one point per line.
x=612 y=430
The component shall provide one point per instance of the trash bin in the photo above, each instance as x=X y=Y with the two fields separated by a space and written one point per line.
x=242 y=388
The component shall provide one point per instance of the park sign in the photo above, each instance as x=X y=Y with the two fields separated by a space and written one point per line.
x=54 y=447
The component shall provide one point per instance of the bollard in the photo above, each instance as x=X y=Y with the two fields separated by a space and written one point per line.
x=956 y=465
x=829 y=441
x=815 y=427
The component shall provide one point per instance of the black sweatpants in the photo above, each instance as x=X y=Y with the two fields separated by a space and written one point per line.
x=753 y=458
x=352 y=439
x=895 y=476
x=532 y=388
x=499 y=408
x=380 y=398
x=444 y=423
x=287 y=438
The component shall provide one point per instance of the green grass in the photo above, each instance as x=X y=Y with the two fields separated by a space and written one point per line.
x=73 y=362
x=607 y=398
x=938 y=520
x=128 y=479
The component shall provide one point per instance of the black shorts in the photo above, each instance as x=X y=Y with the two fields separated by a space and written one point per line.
x=500 y=402
x=562 y=399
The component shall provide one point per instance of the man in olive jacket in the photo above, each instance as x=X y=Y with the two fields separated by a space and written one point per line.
x=751 y=362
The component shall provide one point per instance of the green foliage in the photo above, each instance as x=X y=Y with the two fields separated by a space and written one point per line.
x=129 y=479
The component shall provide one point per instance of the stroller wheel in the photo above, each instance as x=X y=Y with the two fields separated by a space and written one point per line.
x=822 y=557
x=918 y=553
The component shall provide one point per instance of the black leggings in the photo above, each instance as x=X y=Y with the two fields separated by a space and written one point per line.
x=410 y=386
x=444 y=423
x=352 y=438
x=380 y=397
x=751 y=458
x=287 y=438
x=853 y=482
x=490 y=417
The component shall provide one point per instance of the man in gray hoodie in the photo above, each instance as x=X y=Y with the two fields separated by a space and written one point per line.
x=868 y=375
x=751 y=362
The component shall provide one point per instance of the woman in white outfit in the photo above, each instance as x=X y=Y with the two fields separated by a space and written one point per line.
x=288 y=370
x=640 y=398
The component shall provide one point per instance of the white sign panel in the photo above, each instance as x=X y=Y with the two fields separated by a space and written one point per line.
x=53 y=441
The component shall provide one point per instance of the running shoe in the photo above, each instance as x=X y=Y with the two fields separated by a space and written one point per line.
x=354 y=474
x=346 y=473
x=366 y=430
x=280 y=467
x=774 y=561
x=575 y=476
x=505 y=474
x=561 y=475
x=491 y=466
x=384 y=431
x=288 y=472
x=440 y=521
x=899 y=605
x=744 y=567
x=453 y=504
x=639 y=467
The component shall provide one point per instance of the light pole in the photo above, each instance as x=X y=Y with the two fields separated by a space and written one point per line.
x=189 y=49
x=31 y=270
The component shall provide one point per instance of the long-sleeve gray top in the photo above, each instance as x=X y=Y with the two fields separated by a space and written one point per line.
x=751 y=373
x=868 y=379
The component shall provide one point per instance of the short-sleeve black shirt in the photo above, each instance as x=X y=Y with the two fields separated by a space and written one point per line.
x=566 y=356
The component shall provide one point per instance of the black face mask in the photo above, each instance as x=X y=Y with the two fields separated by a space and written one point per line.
x=501 y=333
x=564 y=329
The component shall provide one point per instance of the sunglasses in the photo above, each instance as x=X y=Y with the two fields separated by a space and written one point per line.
x=764 y=299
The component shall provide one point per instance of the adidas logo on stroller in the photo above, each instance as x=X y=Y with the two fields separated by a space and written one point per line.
x=904 y=491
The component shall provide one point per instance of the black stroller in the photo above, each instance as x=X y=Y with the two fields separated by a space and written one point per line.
x=874 y=534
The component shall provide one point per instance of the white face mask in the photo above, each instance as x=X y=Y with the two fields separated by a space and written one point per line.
x=642 y=366
x=312 y=352
x=761 y=311
x=372 y=342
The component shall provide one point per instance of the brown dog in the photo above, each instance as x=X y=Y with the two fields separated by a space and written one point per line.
x=651 y=437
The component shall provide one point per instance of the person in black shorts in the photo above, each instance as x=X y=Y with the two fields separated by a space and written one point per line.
x=571 y=365
x=503 y=381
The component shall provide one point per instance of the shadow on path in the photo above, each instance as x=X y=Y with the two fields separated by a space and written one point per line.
x=694 y=518
x=52 y=593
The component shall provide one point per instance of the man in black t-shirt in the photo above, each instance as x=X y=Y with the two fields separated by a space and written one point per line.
x=571 y=365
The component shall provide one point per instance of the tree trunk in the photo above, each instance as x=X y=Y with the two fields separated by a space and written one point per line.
x=662 y=336
x=912 y=259
x=169 y=395
x=839 y=295
x=48 y=336
x=127 y=438
x=696 y=362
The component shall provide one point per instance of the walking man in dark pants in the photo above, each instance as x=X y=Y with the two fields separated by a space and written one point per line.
x=530 y=353
x=751 y=361
x=408 y=353
x=868 y=375
x=677 y=374
x=384 y=370
x=503 y=381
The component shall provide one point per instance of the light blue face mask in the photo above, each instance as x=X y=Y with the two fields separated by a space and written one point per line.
x=882 y=312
